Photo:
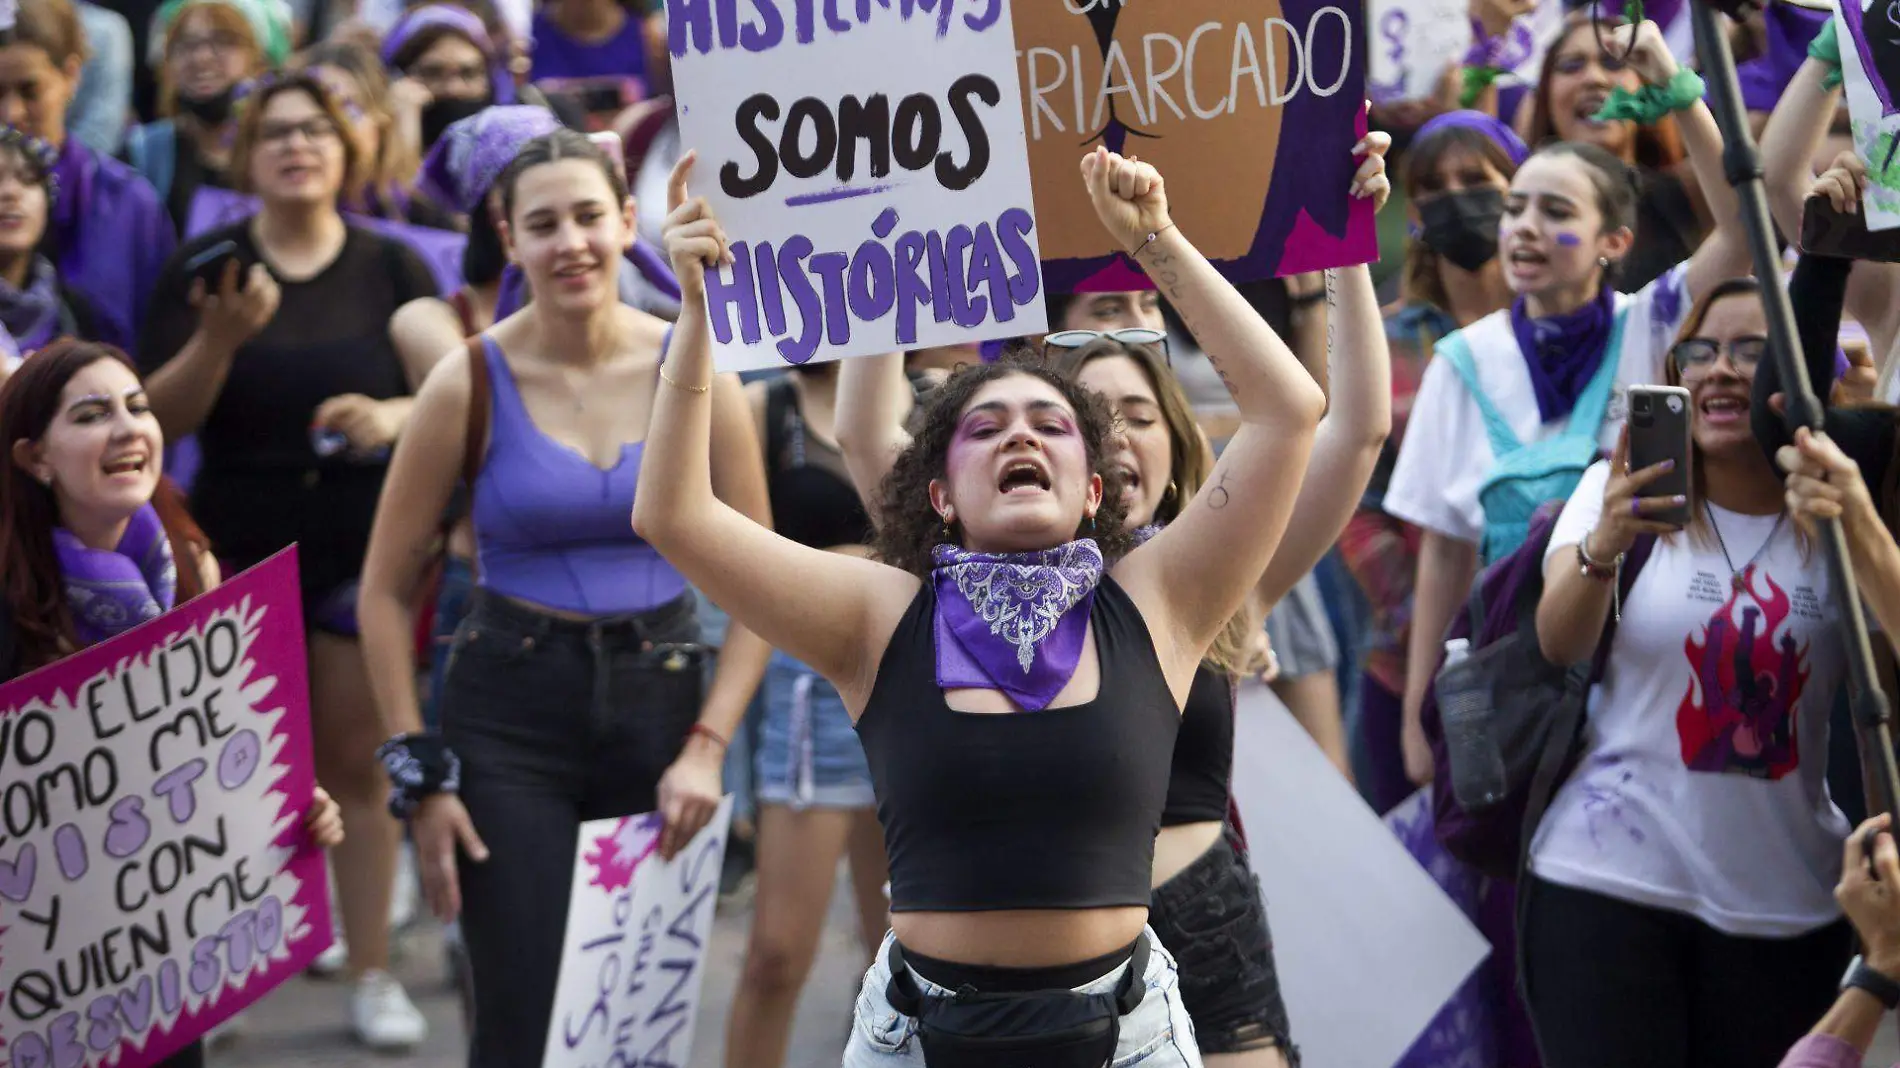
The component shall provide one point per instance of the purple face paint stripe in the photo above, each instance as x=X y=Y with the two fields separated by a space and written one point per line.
x=1569 y=240
x=832 y=195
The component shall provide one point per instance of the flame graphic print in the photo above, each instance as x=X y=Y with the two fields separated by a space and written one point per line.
x=1739 y=715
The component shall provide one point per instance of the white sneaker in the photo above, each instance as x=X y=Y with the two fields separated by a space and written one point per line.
x=331 y=962
x=383 y=1017
x=406 y=892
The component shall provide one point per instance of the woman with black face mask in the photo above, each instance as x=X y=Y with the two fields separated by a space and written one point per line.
x=445 y=51
x=210 y=48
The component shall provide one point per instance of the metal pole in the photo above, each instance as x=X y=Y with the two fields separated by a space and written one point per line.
x=1742 y=165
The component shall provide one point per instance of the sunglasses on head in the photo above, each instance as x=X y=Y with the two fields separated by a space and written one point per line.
x=1137 y=335
x=1695 y=357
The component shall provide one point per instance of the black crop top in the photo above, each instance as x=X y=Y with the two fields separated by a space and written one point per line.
x=1203 y=753
x=813 y=500
x=1055 y=809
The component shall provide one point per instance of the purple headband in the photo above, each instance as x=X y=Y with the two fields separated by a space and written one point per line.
x=431 y=16
x=1494 y=130
x=456 y=20
x=473 y=152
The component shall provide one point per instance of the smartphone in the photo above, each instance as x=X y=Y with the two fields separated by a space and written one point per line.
x=207 y=265
x=1826 y=232
x=1659 y=430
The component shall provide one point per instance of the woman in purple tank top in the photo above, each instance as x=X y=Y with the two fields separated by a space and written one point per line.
x=574 y=688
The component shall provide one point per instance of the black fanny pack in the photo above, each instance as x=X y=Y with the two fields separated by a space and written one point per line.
x=1034 y=1029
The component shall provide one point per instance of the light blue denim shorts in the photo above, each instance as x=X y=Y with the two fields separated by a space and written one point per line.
x=809 y=754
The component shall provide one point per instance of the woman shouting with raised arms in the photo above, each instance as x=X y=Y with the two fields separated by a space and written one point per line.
x=1021 y=765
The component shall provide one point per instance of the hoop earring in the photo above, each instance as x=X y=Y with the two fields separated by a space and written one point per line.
x=1173 y=491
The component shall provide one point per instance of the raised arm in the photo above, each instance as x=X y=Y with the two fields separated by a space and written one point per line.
x=830 y=610
x=1796 y=130
x=1346 y=447
x=186 y=387
x=1601 y=522
x=1724 y=253
x=1193 y=576
x=1825 y=483
x=874 y=399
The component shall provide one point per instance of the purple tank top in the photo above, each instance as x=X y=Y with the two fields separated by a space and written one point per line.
x=558 y=56
x=550 y=527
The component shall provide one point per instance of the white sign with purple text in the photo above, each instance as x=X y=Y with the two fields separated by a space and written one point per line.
x=868 y=162
x=635 y=950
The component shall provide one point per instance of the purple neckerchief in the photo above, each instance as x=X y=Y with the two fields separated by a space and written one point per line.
x=1014 y=622
x=1494 y=130
x=650 y=265
x=459 y=21
x=31 y=315
x=1146 y=532
x=1563 y=351
x=110 y=592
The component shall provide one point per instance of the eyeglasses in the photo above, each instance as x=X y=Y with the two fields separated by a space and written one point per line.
x=313 y=130
x=1695 y=357
x=1137 y=335
x=219 y=45
x=435 y=74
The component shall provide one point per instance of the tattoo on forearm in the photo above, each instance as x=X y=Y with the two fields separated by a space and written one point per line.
x=1217 y=495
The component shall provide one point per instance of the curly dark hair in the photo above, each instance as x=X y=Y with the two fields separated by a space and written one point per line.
x=910 y=528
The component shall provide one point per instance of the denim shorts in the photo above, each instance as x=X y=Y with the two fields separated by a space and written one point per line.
x=1158 y=1034
x=1212 y=917
x=809 y=754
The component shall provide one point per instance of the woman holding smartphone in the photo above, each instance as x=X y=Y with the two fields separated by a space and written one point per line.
x=1679 y=910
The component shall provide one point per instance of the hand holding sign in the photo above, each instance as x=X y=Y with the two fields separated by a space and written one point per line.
x=1128 y=196
x=1370 y=180
x=1842 y=184
x=324 y=822
x=694 y=239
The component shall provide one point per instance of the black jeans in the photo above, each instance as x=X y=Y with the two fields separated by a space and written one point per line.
x=1613 y=983
x=555 y=722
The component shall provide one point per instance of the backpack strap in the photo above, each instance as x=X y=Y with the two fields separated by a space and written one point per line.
x=1457 y=353
x=1586 y=417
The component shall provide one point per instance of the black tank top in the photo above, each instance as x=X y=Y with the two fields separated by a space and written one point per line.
x=813 y=500
x=1055 y=809
x=1203 y=753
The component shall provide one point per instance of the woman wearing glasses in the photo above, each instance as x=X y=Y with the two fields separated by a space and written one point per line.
x=1205 y=906
x=1679 y=908
x=269 y=339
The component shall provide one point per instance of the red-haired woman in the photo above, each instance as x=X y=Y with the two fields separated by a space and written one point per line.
x=93 y=539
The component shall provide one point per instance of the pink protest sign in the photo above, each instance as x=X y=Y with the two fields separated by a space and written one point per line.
x=154 y=875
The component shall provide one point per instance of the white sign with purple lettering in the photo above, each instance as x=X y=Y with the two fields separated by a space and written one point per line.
x=1413 y=43
x=635 y=950
x=868 y=162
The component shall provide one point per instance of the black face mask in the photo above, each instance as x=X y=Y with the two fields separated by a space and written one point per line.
x=212 y=110
x=440 y=114
x=1463 y=226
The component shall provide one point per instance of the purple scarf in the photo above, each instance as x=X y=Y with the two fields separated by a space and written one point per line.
x=31 y=315
x=1014 y=622
x=109 y=593
x=1563 y=351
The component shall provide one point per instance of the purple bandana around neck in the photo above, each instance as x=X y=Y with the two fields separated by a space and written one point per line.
x=31 y=315
x=1014 y=622
x=110 y=592
x=1563 y=351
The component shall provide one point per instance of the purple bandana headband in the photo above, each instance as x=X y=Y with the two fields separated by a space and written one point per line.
x=431 y=16
x=1494 y=130
x=471 y=154
x=1014 y=622
x=111 y=591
